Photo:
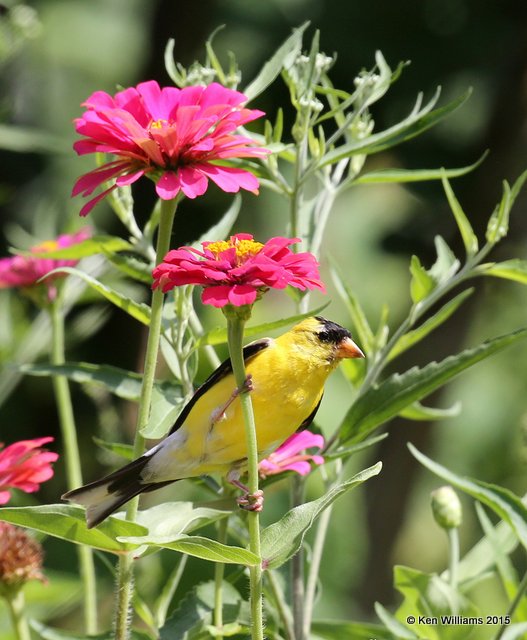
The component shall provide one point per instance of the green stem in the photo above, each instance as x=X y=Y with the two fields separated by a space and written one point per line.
x=72 y=460
x=16 y=605
x=219 y=572
x=297 y=566
x=235 y=326
x=169 y=590
x=522 y=588
x=279 y=600
x=125 y=573
x=453 y=564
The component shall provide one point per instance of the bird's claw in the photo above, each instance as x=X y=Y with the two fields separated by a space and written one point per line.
x=251 y=501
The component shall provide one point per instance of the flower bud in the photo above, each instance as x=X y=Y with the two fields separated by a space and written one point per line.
x=20 y=558
x=446 y=507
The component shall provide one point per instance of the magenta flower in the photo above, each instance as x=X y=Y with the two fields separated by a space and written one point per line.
x=179 y=137
x=24 y=465
x=25 y=271
x=289 y=456
x=238 y=270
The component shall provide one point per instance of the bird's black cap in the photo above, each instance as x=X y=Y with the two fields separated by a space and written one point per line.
x=331 y=331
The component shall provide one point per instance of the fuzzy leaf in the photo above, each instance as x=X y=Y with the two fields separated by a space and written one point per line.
x=197 y=546
x=416 y=335
x=379 y=404
x=132 y=267
x=417 y=411
x=125 y=451
x=281 y=540
x=383 y=176
x=191 y=619
x=68 y=523
x=137 y=310
x=509 y=269
x=283 y=56
x=167 y=400
x=503 y=502
x=470 y=240
x=417 y=122
x=498 y=225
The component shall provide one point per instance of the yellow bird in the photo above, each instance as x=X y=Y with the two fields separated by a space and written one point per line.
x=287 y=376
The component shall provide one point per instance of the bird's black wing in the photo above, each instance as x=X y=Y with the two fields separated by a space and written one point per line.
x=305 y=424
x=225 y=368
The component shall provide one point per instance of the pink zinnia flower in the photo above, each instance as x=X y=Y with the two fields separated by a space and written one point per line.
x=177 y=136
x=24 y=465
x=25 y=271
x=289 y=456
x=236 y=271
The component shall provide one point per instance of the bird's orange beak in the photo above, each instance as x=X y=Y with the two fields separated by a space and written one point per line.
x=348 y=349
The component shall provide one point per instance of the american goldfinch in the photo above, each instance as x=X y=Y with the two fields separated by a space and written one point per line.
x=287 y=377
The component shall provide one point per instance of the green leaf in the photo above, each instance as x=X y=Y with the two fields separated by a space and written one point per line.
x=416 y=335
x=89 y=247
x=173 y=518
x=284 y=56
x=341 y=629
x=190 y=621
x=428 y=597
x=397 y=628
x=417 y=122
x=417 y=411
x=49 y=633
x=504 y=566
x=478 y=561
x=358 y=317
x=470 y=240
x=498 y=225
x=196 y=546
x=125 y=451
x=384 y=176
x=167 y=399
x=281 y=540
x=379 y=404
x=137 y=310
x=422 y=282
x=132 y=267
x=502 y=501
x=68 y=523
x=218 y=335
x=350 y=451
x=515 y=269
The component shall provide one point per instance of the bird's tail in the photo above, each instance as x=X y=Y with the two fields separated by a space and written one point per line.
x=102 y=497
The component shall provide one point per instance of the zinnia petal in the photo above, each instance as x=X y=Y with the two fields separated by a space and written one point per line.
x=170 y=132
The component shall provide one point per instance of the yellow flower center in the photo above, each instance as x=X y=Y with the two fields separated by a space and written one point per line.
x=158 y=124
x=244 y=248
x=48 y=245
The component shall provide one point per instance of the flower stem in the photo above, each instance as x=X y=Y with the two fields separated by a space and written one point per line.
x=219 y=571
x=522 y=588
x=16 y=605
x=297 y=566
x=235 y=325
x=125 y=572
x=72 y=460
x=453 y=540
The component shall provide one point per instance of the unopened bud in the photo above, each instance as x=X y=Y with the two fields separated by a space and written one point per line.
x=446 y=507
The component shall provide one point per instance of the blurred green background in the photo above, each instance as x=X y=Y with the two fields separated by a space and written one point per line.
x=54 y=53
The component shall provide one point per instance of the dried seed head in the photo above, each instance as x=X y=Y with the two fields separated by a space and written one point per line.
x=20 y=558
